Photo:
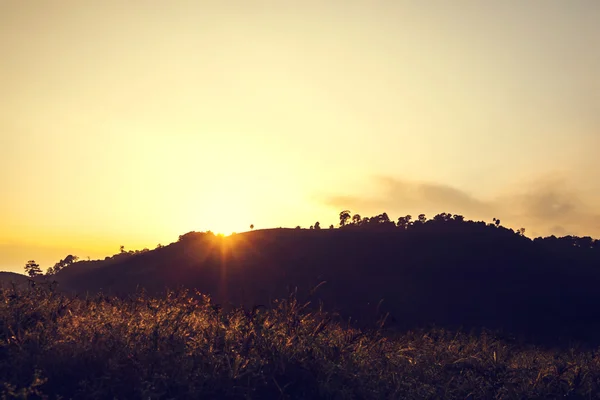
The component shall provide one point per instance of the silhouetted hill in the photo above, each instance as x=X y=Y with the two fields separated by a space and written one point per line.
x=444 y=272
x=8 y=278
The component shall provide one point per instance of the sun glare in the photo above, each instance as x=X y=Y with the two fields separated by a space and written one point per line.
x=223 y=232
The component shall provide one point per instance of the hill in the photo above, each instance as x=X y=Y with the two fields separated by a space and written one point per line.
x=446 y=271
x=9 y=278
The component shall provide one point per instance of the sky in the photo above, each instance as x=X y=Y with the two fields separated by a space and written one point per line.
x=130 y=123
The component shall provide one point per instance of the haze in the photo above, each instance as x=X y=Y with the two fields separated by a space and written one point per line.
x=130 y=123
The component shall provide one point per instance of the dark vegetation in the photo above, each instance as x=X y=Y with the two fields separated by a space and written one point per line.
x=184 y=347
x=424 y=308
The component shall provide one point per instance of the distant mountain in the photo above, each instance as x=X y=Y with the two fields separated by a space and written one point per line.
x=449 y=273
x=8 y=278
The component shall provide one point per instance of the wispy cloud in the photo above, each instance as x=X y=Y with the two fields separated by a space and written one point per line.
x=397 y=195
x=548 y=205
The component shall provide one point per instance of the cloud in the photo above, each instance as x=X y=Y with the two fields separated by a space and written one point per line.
x=553 y=204
x=549 y=205
x=403 y=196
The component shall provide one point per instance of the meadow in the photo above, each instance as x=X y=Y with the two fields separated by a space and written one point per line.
x=182 y=345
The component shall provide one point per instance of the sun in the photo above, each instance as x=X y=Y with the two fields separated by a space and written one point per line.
x=225 y=229
x=226 y=215
x=226 y=207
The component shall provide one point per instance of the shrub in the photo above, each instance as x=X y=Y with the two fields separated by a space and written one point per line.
x=184 y=346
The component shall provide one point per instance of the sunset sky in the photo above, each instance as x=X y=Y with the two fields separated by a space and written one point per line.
x=132 y=122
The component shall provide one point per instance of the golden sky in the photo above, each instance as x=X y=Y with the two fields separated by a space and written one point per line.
x=132 y=122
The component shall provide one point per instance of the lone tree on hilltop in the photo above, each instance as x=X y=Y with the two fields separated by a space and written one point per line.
x=344 y=217
x=33 y=269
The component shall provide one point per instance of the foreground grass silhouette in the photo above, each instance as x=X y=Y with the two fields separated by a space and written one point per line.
x=182 y=346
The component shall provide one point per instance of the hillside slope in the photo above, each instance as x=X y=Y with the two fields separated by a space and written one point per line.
x=480 y=276
x=9 y=278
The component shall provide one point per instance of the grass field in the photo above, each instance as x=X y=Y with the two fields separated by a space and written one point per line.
x=182 y=346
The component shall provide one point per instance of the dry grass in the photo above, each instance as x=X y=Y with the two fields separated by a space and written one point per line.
x=182 y=346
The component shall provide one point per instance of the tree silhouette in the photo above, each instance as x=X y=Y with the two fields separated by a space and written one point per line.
x=384 y=218
x=381 y=221
x=192 y=234
x=33 y=269
x=404 y=222
x=443 y=217
x=458 y=218
x=68 y=260
x=356 y=219
x=251 y=226
x=586 y=242
x=344 y=217
x=317 y=225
